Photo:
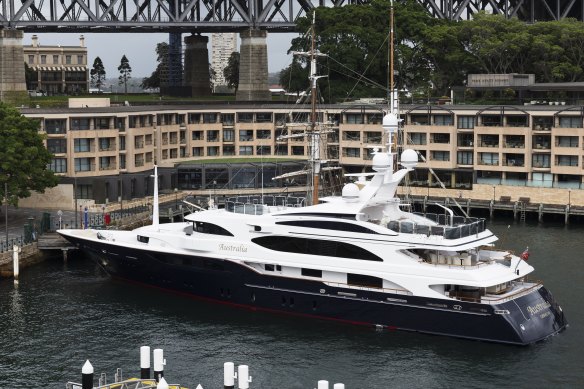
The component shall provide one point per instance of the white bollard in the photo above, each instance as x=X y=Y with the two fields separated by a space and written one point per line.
x=323 y=384
x=243 y=378
x=228 y=375
x=145 y=362
x=159 y=363
x=339 y=386
x=162 y=384
x=15 y=251
x=87 y=375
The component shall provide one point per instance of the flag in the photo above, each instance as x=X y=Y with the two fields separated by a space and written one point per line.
x=525 y=254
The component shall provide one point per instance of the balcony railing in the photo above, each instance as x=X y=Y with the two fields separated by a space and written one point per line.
x=107 y=167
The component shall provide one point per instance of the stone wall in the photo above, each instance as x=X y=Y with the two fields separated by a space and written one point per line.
x=12 y=79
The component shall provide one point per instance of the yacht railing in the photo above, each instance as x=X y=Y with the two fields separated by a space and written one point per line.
x=256 y=205
x=460 y=227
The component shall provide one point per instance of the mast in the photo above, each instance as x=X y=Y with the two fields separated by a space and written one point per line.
x=314 y=136
x=155 y=215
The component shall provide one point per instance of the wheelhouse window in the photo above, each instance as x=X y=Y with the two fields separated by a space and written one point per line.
x=210 y=228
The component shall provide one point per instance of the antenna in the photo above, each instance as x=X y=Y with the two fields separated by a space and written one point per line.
x=155 y=215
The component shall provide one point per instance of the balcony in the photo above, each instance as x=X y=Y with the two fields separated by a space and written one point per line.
x=107 y=167
x=139 y=163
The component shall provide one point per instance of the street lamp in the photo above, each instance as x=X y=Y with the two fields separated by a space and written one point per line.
x=493 y=193
x=175 y=198
x=569 y=199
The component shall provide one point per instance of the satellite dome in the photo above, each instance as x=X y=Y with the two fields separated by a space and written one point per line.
x=390 y=122
x=381 y=162
x=409 y=159
x=350 y=192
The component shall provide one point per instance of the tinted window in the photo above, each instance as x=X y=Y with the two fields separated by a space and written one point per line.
x=209 y=228
x=362 y=280
x=312 y=273
x=329 y=225
x=315 y=247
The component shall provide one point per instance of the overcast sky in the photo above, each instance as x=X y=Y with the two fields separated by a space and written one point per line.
x=139 y=48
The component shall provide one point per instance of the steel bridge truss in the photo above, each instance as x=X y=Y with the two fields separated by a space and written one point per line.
x=527 y=10
x=157 y=15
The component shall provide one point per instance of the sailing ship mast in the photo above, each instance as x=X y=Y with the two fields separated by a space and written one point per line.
x=314 y=136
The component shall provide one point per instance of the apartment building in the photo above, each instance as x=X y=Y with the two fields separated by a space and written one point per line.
x=111 y=151
x=59 y=69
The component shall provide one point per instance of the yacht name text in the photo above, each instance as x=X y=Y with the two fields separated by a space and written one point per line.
x=241 y=248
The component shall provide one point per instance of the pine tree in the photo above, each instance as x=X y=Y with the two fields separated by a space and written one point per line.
x=97 y=74
x=125 y=73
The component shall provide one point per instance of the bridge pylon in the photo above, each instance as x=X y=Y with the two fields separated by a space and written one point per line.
x=196 y=73
x=253 y=67
x=12 y=79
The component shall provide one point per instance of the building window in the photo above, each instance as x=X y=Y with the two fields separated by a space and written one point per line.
x=297 y=150
x=213 y=136
x=353 y=118
x=81 y=145
x=245 y=117
x=102 y=123
x=570 y=121
x=488 y=158
x=245 y=135
x=440 y=155
x=30 y=59
x=264 y=150
x=82 y=164
x=228 y=136
x=55 y=59
x=209 y=118
x=264 y=134
x=263 y=117
x=80 y=60
x=43 y=59
x=566 y=160
x=55 y=126
x=442 y=120
x=466 y=122
x=351 y=135
x=68 y=59
x=416 y=138
x=540 y=161
x=351 y=152
x=197 y=135
x=245 y=150
x=197 y=151
x=58 y=165
x=228 y=150
x=212 y=151
x=567 y=141
x=464 y=157
x=79 y=124
x=85 y=192
x=227 y=119
x=56 y=146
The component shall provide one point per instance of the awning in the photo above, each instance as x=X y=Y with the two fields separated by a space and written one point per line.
x=59 y=68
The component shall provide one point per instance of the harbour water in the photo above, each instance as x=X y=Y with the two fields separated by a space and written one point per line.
x=64 y=313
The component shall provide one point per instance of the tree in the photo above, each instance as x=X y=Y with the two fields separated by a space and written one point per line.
x=231 y=71
x=125 y=73
x=159 y=74
x=294 y=78
x=97 y=73
x=23 y=156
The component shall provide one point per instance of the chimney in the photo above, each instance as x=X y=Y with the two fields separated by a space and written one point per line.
x=81 y=41
x=35 y=41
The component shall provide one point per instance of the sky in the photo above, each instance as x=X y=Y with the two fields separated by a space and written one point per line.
x=139 y=48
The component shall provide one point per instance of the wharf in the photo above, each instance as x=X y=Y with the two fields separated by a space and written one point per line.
x=520 y=209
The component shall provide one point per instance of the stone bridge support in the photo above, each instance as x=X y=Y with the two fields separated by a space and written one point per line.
x=197 y=65
x=12 y=79
x=253 y=67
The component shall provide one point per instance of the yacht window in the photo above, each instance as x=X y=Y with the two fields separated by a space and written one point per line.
x=363 y=280
x=210 y=228
x=328 y=225
x=269 y=267
x=328 y=248
x=348 y=216
x=312 y=273
x=143 y=239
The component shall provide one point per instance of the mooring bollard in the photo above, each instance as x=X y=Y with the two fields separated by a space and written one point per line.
x=228 y=375
x=162 y=384
x=243 y=378
x=323 y=384
x=15 y=251
x=145 y=362
x=158 y=364
x=339 y=386
x=87 y=375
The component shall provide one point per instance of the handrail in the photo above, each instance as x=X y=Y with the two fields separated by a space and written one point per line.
x=404 y=292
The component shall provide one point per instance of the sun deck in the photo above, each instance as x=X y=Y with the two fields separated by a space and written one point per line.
x=441 y=225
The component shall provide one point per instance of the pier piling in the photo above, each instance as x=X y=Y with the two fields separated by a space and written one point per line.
x=87 y=375
x=228 y=375
x=15 y=251
x=243 y=378
x=145 y=362
x=323 y=384
x=158 y=364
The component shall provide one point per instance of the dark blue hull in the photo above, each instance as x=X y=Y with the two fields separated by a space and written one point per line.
x=528 y=319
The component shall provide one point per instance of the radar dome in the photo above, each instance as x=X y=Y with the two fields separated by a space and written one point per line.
x=381 y=162
x=350 y=192
x=390 y=122
x=409 y=159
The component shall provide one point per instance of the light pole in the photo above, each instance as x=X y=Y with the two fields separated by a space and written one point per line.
x=75 y=197
x=6 y=213
x=493 y=193
x=569 y=195
x=175 y=198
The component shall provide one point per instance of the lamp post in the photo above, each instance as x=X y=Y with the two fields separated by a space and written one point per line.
x=6 y=213
x=569 y=197
x=75 y=197
x=493 y=193
x=175 y=198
